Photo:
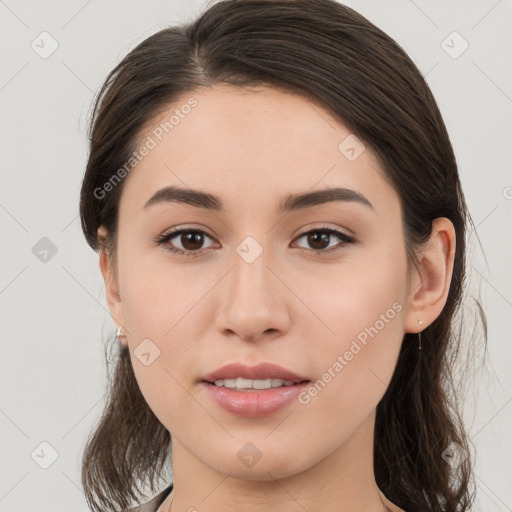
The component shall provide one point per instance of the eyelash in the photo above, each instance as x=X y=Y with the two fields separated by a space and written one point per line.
x=166 y=237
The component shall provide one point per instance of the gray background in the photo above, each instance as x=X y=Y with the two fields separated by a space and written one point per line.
x=53 y=310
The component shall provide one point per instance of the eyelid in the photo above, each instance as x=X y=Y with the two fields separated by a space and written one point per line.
x=324 y=227
x=179 y=229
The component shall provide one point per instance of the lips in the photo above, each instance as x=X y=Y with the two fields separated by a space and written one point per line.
x=261 y=371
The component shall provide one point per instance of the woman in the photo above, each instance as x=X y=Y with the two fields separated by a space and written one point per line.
x=281 y=230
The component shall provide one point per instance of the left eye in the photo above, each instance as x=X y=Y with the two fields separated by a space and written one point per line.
x=193 y=239
x=319 y=236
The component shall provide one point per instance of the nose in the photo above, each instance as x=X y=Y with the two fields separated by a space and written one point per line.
x=253 y=301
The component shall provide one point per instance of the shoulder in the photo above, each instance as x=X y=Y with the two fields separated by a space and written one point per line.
x=153 y=504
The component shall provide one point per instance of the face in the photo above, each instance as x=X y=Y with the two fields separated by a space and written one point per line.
x=259 y=284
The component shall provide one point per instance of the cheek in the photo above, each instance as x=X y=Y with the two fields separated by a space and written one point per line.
x=163 y=313
x=357 y=326
x=344 y=300
x=157 y=293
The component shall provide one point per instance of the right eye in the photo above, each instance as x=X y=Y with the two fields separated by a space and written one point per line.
x=190 y=239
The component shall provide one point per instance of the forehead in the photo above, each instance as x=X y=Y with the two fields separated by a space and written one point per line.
x=250 y=146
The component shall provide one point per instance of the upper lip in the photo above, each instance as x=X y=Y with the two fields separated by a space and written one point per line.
x=261 y=371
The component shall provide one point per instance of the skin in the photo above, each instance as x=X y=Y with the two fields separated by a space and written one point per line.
x=291 y=306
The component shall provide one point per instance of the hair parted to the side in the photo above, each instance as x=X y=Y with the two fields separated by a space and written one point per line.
x=329 y=54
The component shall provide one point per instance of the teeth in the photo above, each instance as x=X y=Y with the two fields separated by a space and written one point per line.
x=241 y=383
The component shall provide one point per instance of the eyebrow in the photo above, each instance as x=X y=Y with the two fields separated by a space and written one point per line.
x=292 y=202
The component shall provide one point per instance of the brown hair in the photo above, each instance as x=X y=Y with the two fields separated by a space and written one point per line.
x=330 y=54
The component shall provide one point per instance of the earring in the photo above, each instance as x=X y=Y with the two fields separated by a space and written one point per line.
x=420 y=322
x=119 y=333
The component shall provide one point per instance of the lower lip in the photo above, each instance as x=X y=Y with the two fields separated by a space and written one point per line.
x=254 y=403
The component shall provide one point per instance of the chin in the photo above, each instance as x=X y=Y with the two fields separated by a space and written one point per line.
x=250 y=463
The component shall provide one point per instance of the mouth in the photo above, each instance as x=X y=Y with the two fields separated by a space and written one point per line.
x=241 y=384
x=253 y=391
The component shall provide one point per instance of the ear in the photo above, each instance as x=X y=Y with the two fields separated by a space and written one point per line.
x=431 y=283
x=109 y=273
